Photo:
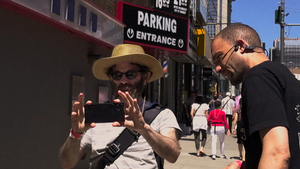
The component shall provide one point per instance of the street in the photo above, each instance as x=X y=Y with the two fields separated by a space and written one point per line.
x=189 y=160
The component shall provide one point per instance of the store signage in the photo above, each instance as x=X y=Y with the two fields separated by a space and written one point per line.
x=80 y=15
x=173 y=6
x=147 y=27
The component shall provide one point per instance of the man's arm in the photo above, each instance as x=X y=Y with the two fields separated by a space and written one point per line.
x=192 y=113
x=206 y=113
x=235 y=117
x=165 y=143
x=275 y=153
x=70 y=153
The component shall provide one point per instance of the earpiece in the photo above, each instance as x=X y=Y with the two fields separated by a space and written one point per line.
x=236 y=47
x=249 y=47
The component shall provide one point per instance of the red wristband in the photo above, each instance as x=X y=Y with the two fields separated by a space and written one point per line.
x=74 y=135
x=239 y=163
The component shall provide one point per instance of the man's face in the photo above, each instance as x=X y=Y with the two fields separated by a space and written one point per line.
x=133 y=85
x=228 y=62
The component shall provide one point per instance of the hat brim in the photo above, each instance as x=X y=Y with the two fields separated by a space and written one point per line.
x=101 y=66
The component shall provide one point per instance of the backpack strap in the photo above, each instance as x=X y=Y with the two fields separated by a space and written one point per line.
x=126 y=138
x=115 y=149
x=151 y=112
x=225 y=104
x=197 y=109
x=149 y=115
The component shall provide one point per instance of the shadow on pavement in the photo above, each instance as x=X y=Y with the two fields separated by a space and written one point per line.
x=185 y=138
x=235 y=157
x=195 y=154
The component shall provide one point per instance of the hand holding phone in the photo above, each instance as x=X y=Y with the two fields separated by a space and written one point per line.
x=77 y=116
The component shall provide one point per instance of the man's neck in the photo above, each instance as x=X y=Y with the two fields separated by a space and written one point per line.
x=257 y=59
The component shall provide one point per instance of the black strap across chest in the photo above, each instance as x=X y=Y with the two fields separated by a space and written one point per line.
x=225 y=104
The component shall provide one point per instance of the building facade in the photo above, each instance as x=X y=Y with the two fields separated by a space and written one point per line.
x=218 y=17
x=292 y=54
x=47 y=51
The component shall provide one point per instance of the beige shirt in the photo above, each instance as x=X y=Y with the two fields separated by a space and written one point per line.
x=138 y=155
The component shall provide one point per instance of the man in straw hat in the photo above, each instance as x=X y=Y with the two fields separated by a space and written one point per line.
x=129 y=69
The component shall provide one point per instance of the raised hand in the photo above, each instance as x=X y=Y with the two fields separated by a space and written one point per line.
x=77 y=117
x=133 y=116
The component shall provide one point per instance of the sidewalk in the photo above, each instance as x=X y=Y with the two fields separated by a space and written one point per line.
x=189 y=160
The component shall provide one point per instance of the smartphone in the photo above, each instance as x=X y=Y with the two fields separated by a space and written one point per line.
x=104 y=112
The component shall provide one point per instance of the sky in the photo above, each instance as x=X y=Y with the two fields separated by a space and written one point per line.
x=260 y=15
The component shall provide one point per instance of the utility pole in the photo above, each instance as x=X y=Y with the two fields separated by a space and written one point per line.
x=282 y=24
x=279 y=19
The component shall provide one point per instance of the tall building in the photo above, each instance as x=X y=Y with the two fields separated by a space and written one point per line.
x=218 y=17
x=292 y=54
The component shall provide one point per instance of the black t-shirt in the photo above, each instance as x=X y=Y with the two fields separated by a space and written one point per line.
x=271 y=96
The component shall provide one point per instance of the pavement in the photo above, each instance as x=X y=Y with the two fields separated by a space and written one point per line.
x=189 y=160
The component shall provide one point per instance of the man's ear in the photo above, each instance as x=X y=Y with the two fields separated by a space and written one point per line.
x=241 y=44
x=148 y=75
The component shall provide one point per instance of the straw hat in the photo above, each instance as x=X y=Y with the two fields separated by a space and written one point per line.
x=127 y=53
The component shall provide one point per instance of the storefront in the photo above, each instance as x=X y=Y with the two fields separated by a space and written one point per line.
x=47 y=49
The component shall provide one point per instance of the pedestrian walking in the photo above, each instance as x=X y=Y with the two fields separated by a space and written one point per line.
x=212 y=102
x=238 y=123
x=218 y=125
x=220 y=96
x=199 y=113
x=228 y=107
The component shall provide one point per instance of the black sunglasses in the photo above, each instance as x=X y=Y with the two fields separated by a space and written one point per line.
x=228 y=52
x=131 y=74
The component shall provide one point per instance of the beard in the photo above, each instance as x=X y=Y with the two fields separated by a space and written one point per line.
x=135 y=90
x=240 y=70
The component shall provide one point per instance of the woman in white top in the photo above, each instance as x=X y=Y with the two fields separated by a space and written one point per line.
x=199 y=113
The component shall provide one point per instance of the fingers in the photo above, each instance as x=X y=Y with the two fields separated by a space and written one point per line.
x=117 y=124
x=77 y=116
x=132 y=110
x=117 y=100
x=91 y=125
x=136 y=106
x=123 y=98
x=75 y=108
x=80 y=98
x=78 y=105
x=132 y=102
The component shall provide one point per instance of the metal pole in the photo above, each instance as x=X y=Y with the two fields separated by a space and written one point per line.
x=221 y=15
x=282 y=24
